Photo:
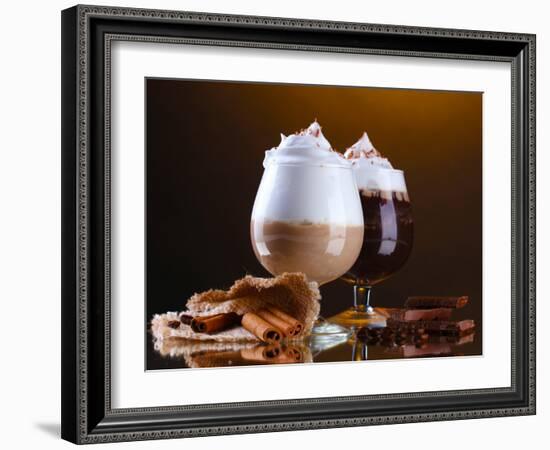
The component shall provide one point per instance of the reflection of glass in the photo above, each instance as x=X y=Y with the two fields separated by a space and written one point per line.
x=307 y=218
x=387 y=241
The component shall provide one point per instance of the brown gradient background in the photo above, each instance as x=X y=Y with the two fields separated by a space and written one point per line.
x=205 y=147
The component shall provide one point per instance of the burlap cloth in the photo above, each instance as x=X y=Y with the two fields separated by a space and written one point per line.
x=290 y=292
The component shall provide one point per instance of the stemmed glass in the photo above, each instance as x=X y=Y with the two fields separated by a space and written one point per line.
x=387 y=241
x=307 y=218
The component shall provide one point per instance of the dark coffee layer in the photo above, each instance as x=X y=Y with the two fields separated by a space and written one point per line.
x=388 y=237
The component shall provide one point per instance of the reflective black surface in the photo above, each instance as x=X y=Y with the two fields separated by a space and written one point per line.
x=177 y=353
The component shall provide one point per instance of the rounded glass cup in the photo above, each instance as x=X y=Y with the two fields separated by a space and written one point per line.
x=387 y=242
x=308 y=218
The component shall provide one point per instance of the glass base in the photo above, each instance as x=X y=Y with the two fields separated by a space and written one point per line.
x=359 y=317
x=324 y=329
x=326 y=335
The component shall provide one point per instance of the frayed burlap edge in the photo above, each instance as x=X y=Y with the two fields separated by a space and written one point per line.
x=290 y=292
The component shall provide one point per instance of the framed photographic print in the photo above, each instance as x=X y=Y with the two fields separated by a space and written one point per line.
x=259 y=212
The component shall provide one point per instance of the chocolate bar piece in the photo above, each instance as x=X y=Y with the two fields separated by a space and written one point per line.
x=442 y=327
x=422 y=302
x=409 y=315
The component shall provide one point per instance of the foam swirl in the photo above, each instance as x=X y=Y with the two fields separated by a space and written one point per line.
x=373 y=171
x=363 y=154
x=306 y=147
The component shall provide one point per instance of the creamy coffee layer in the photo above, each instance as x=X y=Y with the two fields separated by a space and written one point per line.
x=323 y=251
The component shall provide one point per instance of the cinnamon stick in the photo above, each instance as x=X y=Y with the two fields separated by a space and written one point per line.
x=286 y=327
x=423 y=302
x=260 y=328
x=295 y=326
x=215 y=323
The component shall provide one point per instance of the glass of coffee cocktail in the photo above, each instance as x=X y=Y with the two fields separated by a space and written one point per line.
x=307 y=214
x=388 y=235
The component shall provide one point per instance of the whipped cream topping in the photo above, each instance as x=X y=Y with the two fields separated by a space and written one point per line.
x=363 y=154
x=307 y=147
x=373 y=171
x=315 y=130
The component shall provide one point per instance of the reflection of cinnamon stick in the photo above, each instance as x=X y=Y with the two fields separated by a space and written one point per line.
x=294 y=354
x=261 y=353
x=213 y=324
x=260 y=328
x=272 y=354
x=217 y=359
x=296 y=326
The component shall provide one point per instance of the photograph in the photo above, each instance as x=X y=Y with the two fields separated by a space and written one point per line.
x=298 y=223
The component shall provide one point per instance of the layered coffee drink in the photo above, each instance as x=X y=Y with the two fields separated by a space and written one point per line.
x=387 y=215
x=307 y=214
x=388 y=233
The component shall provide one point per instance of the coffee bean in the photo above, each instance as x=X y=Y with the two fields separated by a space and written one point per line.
x=186 y=319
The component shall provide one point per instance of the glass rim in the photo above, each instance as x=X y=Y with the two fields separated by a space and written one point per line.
x=338 y=166
x=392 y=170
x=331 y=165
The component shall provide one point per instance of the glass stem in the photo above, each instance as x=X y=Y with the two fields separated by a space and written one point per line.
x=359 y=351
x=361 y=298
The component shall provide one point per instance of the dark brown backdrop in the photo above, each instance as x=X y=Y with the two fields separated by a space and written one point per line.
x=205 y=146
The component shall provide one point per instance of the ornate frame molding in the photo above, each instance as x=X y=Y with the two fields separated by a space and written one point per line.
x=80 y=424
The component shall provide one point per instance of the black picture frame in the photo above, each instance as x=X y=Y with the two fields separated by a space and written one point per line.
x=87 y=415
